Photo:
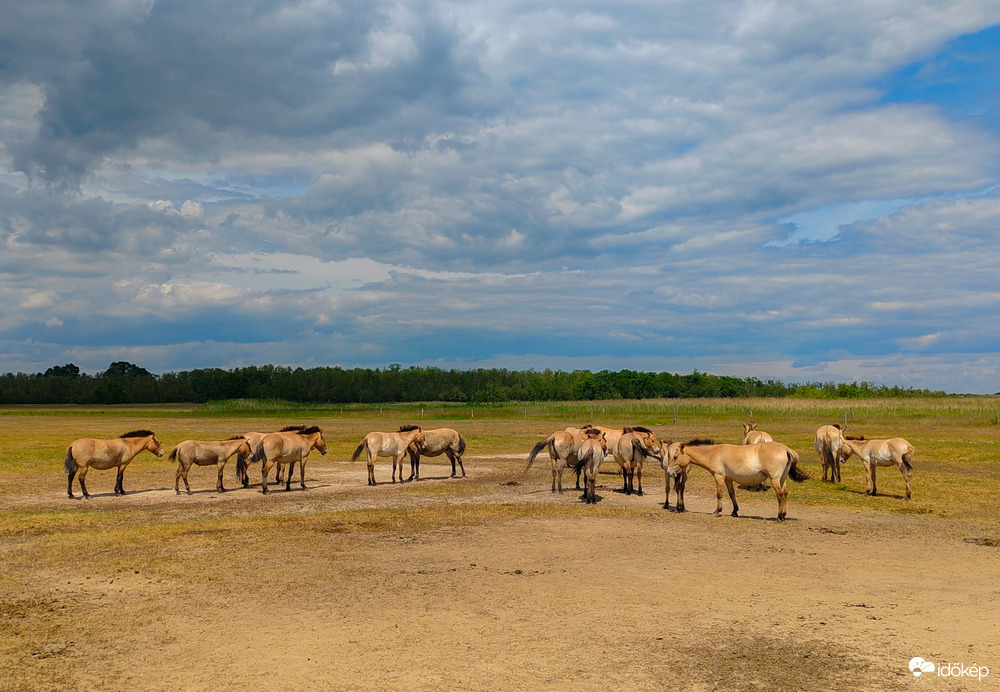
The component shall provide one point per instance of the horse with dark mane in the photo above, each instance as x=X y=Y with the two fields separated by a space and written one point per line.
x=87 y=453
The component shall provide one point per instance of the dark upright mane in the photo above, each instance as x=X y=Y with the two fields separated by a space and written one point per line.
x=292 y=428
x=310 y=431
x=408 y=428
x=856 y=438
x=637 y=428
x=699 y=442
x=139 y=433
x=837 y=426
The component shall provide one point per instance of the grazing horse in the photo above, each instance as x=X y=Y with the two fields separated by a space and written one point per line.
x=202 y=453
x=389 y=444
x=828 y=443
x=589 y=460
x=564 y=449
x=288 y=448
x=743 y=464
x=634 y=445
x=87 y=453
x=873 y=453
x=243 y=461
x=438 y=441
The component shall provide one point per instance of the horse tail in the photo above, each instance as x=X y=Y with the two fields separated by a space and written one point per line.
x=241 y=465
x=641 y=448
x=583 y=460
x=258 y=454
x=794 y=472
x=173 y=454
x=534 y=453
x=461 y=444
x=908 y=460
x=357 y=452
x=70 y=462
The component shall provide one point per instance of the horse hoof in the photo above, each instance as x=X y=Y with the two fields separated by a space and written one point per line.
x=716 y=514
x=734 y=514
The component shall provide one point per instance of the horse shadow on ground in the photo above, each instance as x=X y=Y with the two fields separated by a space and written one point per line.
x=111 y=493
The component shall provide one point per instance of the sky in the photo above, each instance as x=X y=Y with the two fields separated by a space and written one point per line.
x=798 y=190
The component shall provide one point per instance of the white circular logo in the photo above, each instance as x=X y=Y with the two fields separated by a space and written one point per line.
x=918 y=666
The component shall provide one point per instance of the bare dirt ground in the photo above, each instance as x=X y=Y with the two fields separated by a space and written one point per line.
x=487 y=582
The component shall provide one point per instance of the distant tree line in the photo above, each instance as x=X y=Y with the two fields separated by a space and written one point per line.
x=126 y=383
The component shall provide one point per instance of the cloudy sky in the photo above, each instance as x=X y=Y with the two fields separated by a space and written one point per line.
x=799 y=190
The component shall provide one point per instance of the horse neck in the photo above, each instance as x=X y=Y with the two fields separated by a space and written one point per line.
x=135 y=445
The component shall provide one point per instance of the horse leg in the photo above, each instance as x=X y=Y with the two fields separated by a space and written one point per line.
x=302 y=473
x=119 y=487
x=265 y=468
x=69 y=488
x=905 y=468
x=81 y=476
x=220 y=486
x=720 y=483
x=666 y=502
x=461 y=466
x=288 y=478
x=371 y=468
x=781 y=490
x=679 y=481
x=638 y=478
x=732 y=496
x=874 y=487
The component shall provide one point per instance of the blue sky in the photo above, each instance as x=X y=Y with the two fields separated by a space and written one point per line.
x=799 y=190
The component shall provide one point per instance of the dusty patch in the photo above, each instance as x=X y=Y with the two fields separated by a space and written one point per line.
x=491 y=582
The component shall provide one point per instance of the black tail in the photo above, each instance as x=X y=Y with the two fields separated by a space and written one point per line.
x=241 y=466
x=258 y=454
x=534 y=453
x=357 y=452
x=907 y=459
x=70 y=463
x=461 y=445
x=794 y=473
x=173 y=454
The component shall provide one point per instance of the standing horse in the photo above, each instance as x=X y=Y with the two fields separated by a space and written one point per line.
x=679 y=481
x=611 y=436
x=634 y=445
x=743 y=464
x=87 y=452
x=828 y=443
x=288 y=448
x=564 y=449
x=873 y=453
x=202 y=453
x=589 y=460
x=753 y=436
x=436 y=442
x=254 y=439
x=389 y=444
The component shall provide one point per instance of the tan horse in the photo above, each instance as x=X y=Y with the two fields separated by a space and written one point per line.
x=254 y=439
x=206 y=453
x=743 y=464
x=289 y=447
x=679 y=481
x=634 y=445
x=87 y=453
x=753 y=436
x=389 y=444
x=873 y=453
x=436 y=442
x=589 y=459
x=611 y=436
x=564 y=450
x=828 y=443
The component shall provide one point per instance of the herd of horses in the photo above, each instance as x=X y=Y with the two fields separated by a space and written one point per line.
x=280 y=450
x=757 y=460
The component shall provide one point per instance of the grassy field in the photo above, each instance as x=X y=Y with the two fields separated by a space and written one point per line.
x=230 y=540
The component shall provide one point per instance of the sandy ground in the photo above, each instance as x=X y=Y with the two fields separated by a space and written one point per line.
x=624 y=595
